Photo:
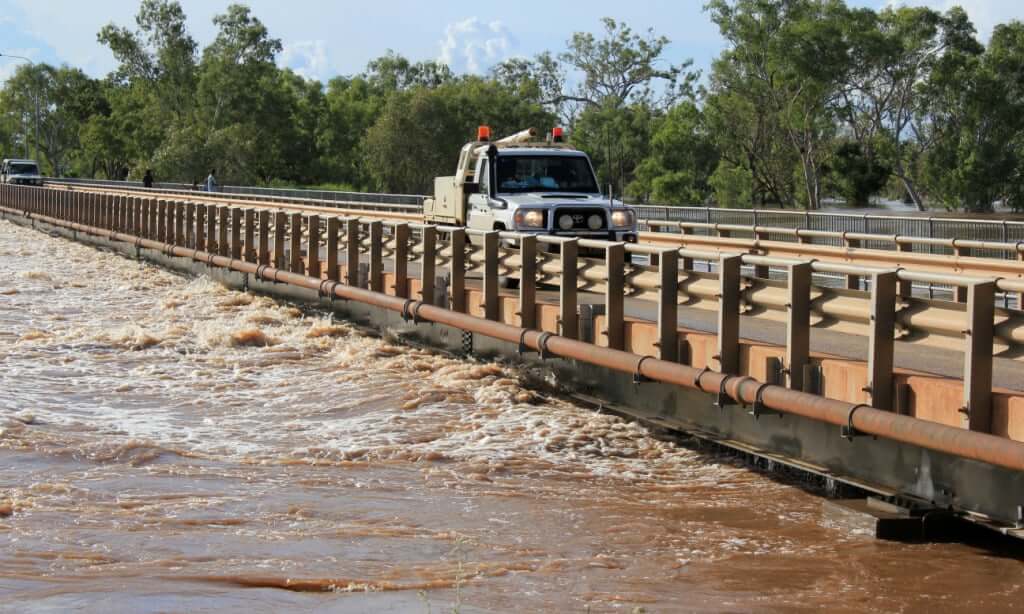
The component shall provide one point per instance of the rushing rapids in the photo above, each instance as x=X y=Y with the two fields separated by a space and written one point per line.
x=167 y=444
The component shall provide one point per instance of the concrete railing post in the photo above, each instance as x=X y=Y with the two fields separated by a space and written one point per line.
x=960 y=292
x=798 y=323
x=428 y=265
x=313 y=249
x=236 y=233
x=401 y=285
x=978 y=357
x=457 y=270
x=280 y=233
x=761 y=271
x=376 y=280
x=295 y=245
x=211 y=228
x=906 y=288
x=223 y=229
x=190 y=225
x=567 y=289
x=147 y=204
x=180 y=230
x=250 y=235
x=200 y=230
x=728 y=342
x=490 y=280
x=615 y=296
x=668 y=305
x=881 y=339
x=263 y=249
x=528 y=281
x=333 y=227
x=352 y=246
x=852 y=281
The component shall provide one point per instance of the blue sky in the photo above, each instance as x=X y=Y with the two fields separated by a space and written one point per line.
x=322 y=38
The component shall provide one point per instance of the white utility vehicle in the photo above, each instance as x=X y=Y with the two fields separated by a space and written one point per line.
x=22 y=172
x=521 y=184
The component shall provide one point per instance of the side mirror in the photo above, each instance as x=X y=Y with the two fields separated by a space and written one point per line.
x=471 y=188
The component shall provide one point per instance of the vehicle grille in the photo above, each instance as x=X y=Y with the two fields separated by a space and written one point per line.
x=579 y=218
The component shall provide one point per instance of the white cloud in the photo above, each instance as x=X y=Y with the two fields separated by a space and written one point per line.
x=472 y=45
x=306 y=58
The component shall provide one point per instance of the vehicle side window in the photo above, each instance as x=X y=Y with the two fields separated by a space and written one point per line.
x=484 y=178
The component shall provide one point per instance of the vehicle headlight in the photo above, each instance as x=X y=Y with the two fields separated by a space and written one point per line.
x=594 y=222
x=623 y=218
x=529 y=218
x=565 y=221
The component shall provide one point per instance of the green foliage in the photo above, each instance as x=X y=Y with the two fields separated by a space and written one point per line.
x=977 y=157
x=857 y=174
x=807 y=96
x=617 y=139
x=420 y=132
x=732 y=185
x=682 y=157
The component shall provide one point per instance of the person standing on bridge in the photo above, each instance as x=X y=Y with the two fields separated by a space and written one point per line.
x=147 y=179
x=211 y=181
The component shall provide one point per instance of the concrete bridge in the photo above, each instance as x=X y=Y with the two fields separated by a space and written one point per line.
x=865 y=359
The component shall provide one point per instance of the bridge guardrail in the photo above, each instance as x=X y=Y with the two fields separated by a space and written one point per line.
x=776 y=289
x=982 y=231
x=289 y=193
x=997 y=231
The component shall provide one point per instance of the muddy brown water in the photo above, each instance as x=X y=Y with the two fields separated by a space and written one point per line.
x=167 y=444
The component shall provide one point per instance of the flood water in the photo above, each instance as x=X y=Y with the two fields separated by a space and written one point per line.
x=170 y=445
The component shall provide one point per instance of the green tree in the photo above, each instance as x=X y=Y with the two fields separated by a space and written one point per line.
x=976 y=123
x=420 y=131
x=393 y=72
x=617 y=139
x=791 y=55
x=624 y=68
x=682 y=158
x=732 y=185
x=749 y=136
x=159 y=57
x=858 y=174
x=60 y=99
x=895 y=51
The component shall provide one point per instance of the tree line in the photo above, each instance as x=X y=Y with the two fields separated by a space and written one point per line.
x=810 y=100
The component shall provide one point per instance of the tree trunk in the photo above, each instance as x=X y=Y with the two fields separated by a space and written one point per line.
x=908 y=183
x=811 y=183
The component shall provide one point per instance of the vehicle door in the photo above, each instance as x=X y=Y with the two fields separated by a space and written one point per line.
x=481 y=216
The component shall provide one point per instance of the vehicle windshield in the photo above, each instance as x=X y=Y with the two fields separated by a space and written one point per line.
x=545 y=174
x=23 y=169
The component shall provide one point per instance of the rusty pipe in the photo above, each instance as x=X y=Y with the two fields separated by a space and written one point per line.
x=972 y=445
